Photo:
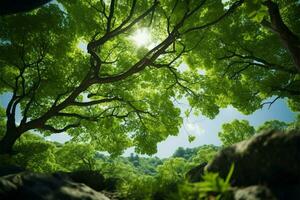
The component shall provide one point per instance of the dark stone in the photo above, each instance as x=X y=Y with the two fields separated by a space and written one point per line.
x=93 y=179
x=195 y=174
x=267 y=166
x=31 y=186
x=269 y=159
x=290 y=192
x=10 y=169
x=110 y=184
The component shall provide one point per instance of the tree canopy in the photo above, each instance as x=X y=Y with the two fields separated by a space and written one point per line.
x=116 y=94
x=236 y=131
x=245 y=61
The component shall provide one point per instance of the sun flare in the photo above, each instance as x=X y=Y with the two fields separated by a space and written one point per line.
x=141 y=37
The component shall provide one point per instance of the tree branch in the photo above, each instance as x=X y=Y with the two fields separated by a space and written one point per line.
x=256 y=61
x=95 y=102
x=76 y=115
x=270 y=103
x=233 y=7
x=110 y=16
x=290 y=40
x=55 y=130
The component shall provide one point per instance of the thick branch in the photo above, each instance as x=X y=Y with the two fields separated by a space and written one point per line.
x=55 y=130
x=76 y=115
x=110 y=16
x=109 y=35
x=290 y=40
x=95 y=102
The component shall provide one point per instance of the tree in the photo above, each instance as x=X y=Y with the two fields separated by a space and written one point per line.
x=235 y=131
x=2 y=122
x=248 y=58
x=35 y=154
x=205 y=153
x=170 y=173
x=134 y=159
x=116 y=95
x=295 y=125
x=272 y=125
x=187 y=153
x=73 y=156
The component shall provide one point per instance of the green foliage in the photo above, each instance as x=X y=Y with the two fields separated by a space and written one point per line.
x=72 y=156
x=294 y=104
x=191 y=138
x=272 y=125
x=35 y=154
x=280 y=125
x=2 y=122
x=197 y=155
x=212 y=187
x=186 y=153
x=145 y=165
x=235 y=131
x=239 y=69
x=131 y=182
x=118 y=95
x=169 y=176
x=205 y=153
x=295 y=125
x=256 y=10
x=172 y=170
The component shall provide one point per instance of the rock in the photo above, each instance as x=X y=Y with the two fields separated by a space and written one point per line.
x=93 y=179
x=256 y=192
x=10 y=169
x=195 y=174
x=272 y=159
x=31 y=186
x=290 y=192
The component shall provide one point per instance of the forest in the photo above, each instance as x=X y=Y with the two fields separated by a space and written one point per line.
x=113 y=75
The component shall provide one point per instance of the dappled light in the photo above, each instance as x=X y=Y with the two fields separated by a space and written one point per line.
x=141 y=37
x=82 y=45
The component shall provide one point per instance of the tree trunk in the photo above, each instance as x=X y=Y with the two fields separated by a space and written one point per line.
x=290 y=40
x=7 y=142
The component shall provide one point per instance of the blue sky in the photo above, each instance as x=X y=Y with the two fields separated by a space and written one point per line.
x=205 y=129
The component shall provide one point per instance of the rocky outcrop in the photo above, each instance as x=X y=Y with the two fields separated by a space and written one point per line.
x=272 y=158
x=31 y=186
x=267 y=165
x=10 y=169
x=194 y=175
x=93 y=179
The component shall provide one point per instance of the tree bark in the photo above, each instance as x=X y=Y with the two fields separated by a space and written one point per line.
x=8 y=140
x=290 y=40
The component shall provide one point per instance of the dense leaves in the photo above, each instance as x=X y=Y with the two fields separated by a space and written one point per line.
x=114 y=94
x=272 y=125
x=244 y=63
x=77 y=67
x=236 y=131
